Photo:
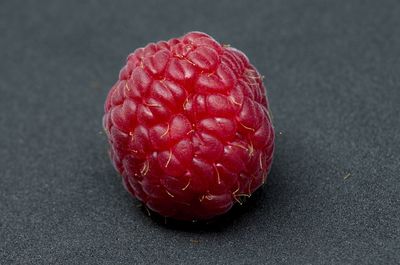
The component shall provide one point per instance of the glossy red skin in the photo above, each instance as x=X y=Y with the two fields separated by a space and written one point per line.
x=189 y=127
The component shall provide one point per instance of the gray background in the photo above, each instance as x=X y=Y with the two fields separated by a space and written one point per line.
x=333 y=75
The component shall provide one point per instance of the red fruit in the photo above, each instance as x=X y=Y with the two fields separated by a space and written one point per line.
x=189 y=127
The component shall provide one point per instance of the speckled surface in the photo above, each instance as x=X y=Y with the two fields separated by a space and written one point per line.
x=332 y=70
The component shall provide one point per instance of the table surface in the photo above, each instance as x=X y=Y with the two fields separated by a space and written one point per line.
x=333 y=78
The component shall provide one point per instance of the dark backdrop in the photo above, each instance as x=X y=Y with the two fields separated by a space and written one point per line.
x=333 y=73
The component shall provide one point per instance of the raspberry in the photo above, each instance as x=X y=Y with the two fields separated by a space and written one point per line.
x=189 y=127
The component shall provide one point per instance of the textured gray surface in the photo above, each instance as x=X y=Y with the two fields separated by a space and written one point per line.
x=333 y=73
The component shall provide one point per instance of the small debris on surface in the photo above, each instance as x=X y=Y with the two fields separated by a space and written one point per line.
x=346 y=176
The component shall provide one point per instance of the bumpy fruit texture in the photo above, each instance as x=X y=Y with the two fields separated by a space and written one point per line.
x=189 y=127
